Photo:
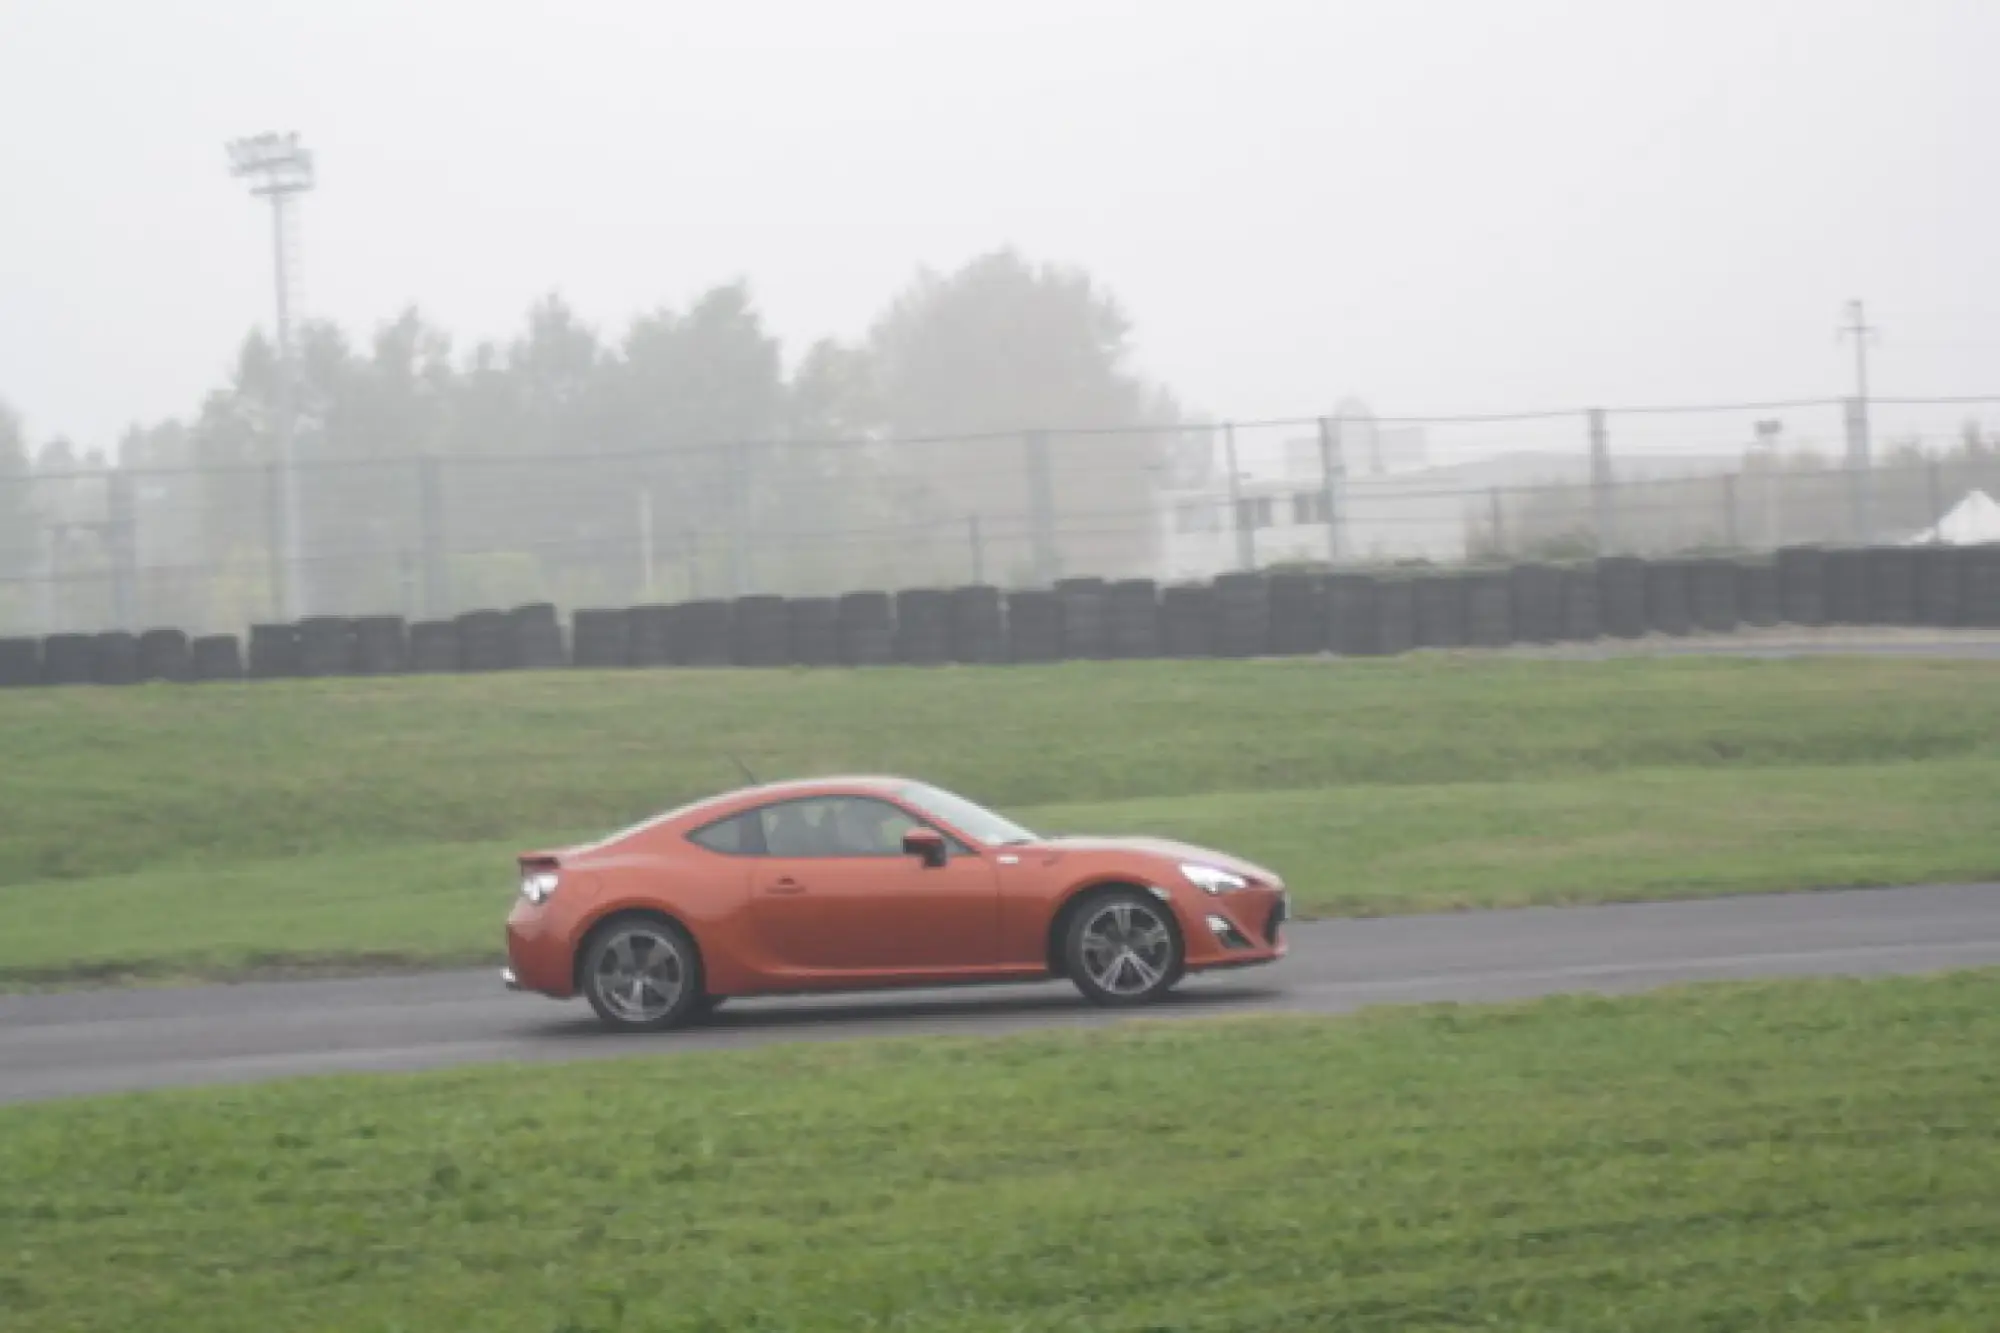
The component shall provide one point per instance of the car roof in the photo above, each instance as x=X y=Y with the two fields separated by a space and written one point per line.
x=725 y=803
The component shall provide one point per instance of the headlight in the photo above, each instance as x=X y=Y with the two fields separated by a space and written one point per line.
x=1211 y=879
x=538 y=886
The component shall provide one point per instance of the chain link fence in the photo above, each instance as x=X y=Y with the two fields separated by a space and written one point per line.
x=209 y=549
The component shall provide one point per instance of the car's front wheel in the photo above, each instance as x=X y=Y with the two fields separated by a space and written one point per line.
x=641 y=974
x=1122 y=948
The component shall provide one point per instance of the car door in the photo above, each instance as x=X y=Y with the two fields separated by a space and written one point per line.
x=836 y=894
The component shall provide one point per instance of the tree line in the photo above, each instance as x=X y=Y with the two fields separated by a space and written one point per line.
x=526 y=457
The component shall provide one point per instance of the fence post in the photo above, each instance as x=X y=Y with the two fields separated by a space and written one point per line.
x=431 y=538
x=274 y=536
x=121 y=530
x=1246 y=539
x=1858 y=479
x=646 y=540
x=1600 y=480
x=1731 y=538
x=1935 y=482
x=738 y=472
x=978 y=548
x=1332 y=469
x=1041 y=507
x=1494 y=516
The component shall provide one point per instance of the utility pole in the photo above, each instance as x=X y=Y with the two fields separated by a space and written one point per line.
x=280 y=170
x=1859 y=449
x=1858 y=328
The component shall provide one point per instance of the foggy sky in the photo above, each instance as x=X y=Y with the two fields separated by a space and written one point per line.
x=1438 y=207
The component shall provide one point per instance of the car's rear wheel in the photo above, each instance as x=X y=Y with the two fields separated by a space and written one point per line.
x=1122 y=948
x=641 y=974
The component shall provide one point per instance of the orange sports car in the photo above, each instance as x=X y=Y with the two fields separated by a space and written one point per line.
x=868 y=884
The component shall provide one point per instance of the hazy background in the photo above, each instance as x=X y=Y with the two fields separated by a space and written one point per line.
x=1436 y=206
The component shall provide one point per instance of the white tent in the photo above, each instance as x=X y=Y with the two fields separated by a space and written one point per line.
x=1973 y=521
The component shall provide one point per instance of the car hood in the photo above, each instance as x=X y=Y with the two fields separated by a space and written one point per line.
x=1163 y=849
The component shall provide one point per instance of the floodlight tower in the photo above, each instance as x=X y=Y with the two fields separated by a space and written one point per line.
x=280 y=170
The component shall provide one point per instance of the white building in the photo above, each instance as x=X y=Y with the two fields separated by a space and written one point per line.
x=1391 y=504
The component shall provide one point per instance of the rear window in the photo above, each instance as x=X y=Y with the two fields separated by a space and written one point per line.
x=737 y=835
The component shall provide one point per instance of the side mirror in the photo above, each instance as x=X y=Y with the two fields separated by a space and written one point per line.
x=927 y=845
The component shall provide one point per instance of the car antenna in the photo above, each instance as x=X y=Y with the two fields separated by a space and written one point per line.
x=744 y=768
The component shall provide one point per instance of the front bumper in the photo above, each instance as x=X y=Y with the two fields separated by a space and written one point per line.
x=1235 y=929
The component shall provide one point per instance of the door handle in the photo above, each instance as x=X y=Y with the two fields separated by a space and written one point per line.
x=787 y=885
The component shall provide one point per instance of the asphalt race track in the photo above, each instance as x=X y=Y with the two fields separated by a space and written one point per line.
x=60 y=1045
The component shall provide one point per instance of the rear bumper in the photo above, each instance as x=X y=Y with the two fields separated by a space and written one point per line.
x=538 y=957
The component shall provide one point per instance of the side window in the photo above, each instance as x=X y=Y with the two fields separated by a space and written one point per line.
x=835 y=826
x=734 y=836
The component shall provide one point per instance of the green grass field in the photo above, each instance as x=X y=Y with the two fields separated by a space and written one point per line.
x=1804 y=1155
x=218 y=831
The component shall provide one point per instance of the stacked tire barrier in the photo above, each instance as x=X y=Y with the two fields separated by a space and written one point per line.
x=1283 y=613
x=1979 y=588
x=20 y=663
x=923 y=627
x=600 y=639
x=1712 y=595
x=164 y=654
x=1242 y=605
x=1846 y=587
x=1489 y=611
x=381 y=646
x=534 y=639
x=485 y=641
x=1758 y=593
x=1187 y=616
x=867 y=629
x=117 y=656
x=649 y=635
x=1034 y=627
x=1892 y=586
x=1940 y=577
x=703 y=631
x=326 y=646
x=1132 y=619
x=274 y=651
x=1580 y=623
x=1298 y=615
x=1538 y=603
x=760 y=632
x=434 y=647
x=1801 y=572
x=1351 y=615
x=814 y=626
x=1621 y=597
x=978 y=625
x=1080 y=613
x=1440 y=607
x=216 y=657
x=1395 y=616
x=1667 y=602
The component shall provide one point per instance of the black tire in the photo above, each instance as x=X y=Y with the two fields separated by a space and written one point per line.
x=599 y=972
x=1086 y=931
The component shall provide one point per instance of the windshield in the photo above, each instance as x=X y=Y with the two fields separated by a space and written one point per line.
x=976 y=821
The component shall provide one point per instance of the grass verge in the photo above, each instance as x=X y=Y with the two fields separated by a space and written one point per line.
x=101 y=782
x=1805 y=1155
x=1671 y=833
x=355 y=825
